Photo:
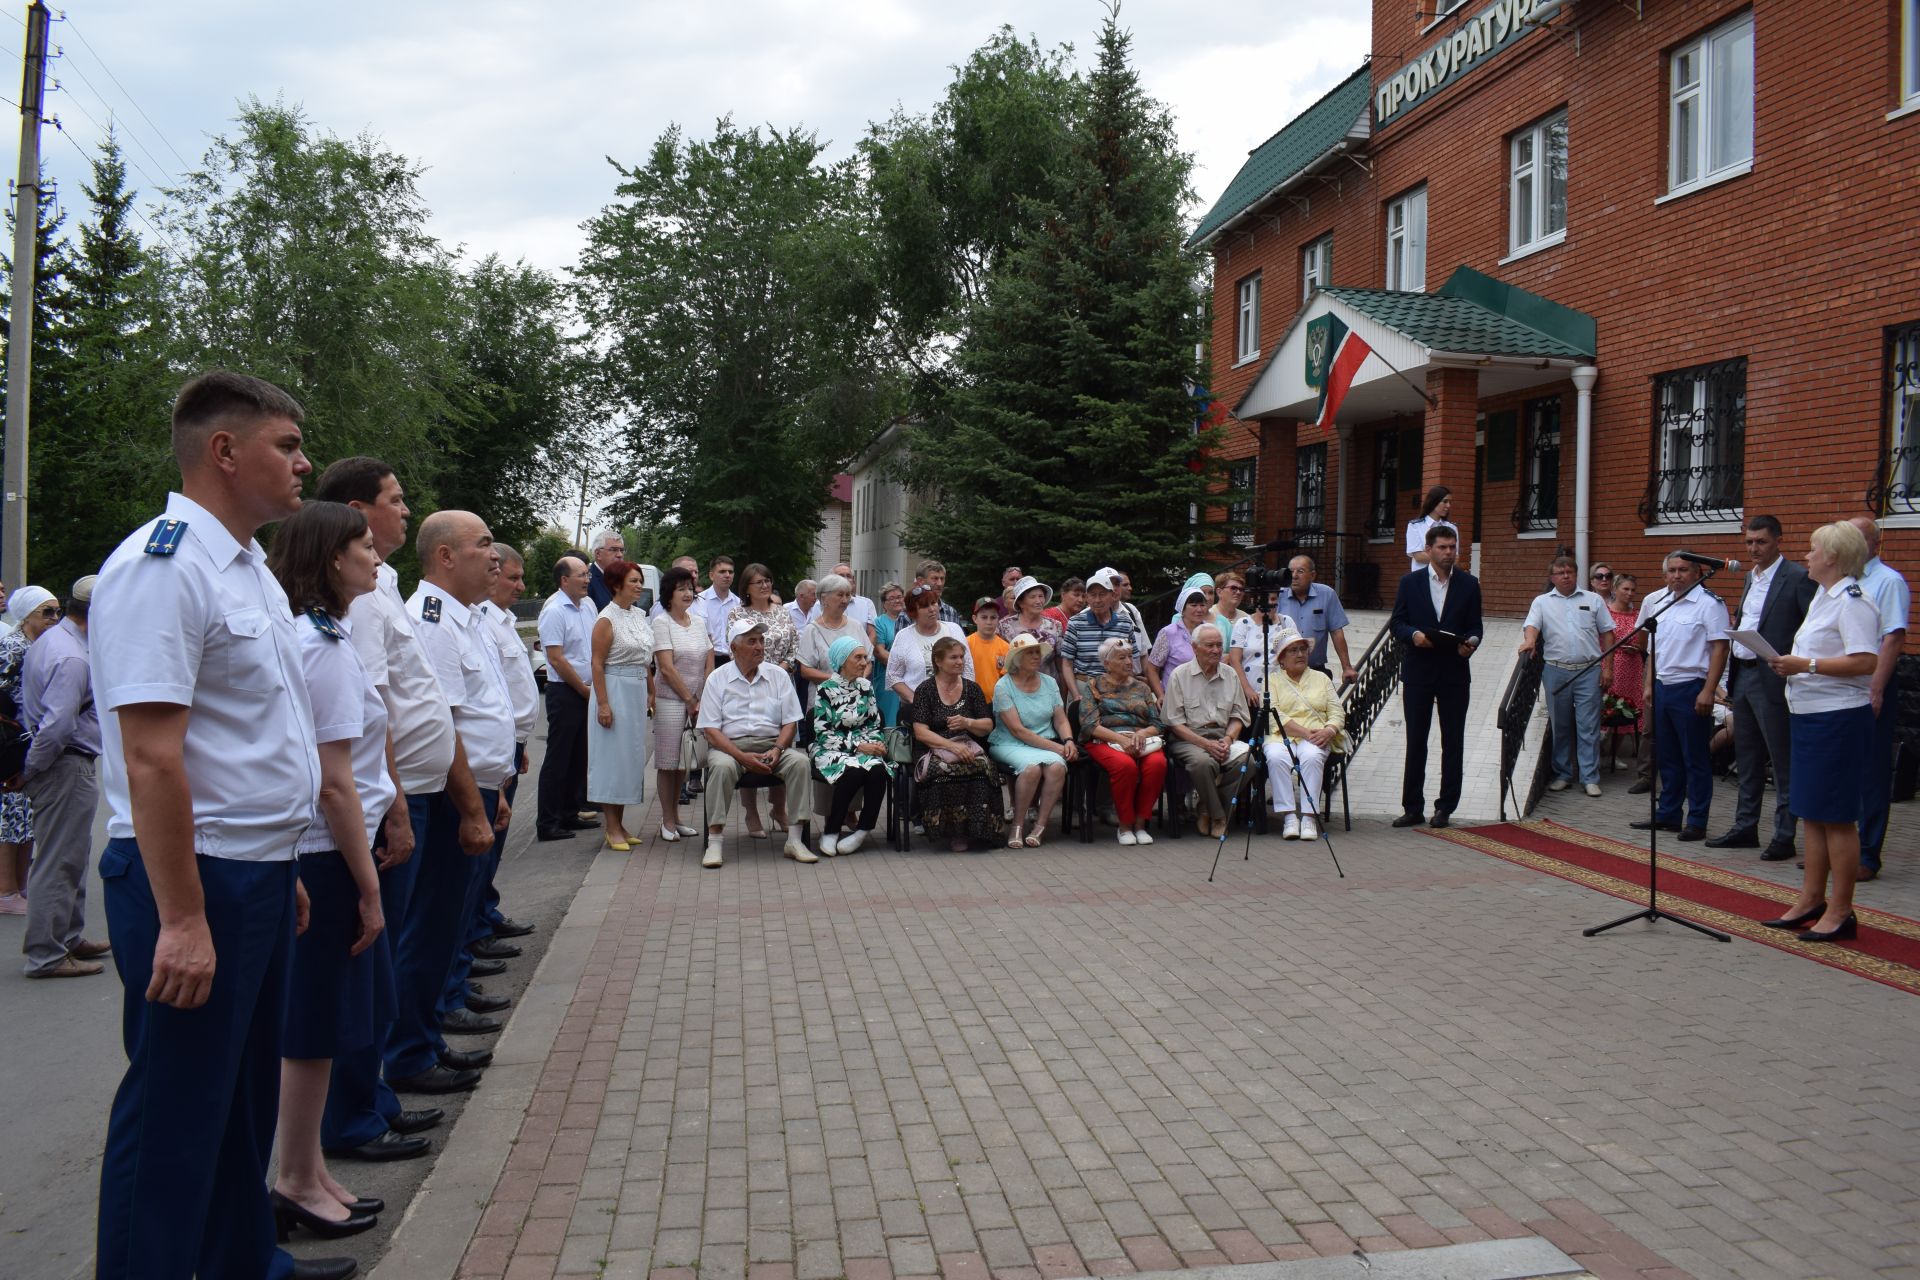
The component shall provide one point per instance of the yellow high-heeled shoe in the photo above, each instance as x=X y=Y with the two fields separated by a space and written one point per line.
x=619 y=846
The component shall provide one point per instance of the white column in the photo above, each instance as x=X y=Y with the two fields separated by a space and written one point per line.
x=1583 y=379
x=1345 y=431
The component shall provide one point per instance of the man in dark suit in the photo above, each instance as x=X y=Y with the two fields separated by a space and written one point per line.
x=608 y=549
x=1774 y=603
x=1436 y=615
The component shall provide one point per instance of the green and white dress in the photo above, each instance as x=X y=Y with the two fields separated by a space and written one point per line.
x=845 y=718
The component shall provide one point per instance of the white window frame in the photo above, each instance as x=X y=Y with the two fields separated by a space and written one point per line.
x=1530 y=185
x=1696 y=106
x=1316 y=263
x=1407 y=241
x=1910 y=54
x=1247 y=312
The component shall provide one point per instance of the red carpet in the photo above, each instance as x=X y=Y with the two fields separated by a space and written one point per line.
x=1887 y=950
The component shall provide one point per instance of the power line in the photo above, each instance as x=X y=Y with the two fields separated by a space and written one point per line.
x=81 y=107
x=184 y=163
x=101 y=98
x=132 y=207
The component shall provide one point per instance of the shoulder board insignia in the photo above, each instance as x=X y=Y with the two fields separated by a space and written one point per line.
x=166 y=537
x=323 y=623
x=1855 y=591
x=430 y=609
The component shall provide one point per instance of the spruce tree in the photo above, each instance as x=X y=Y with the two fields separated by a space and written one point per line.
x=1070 y=441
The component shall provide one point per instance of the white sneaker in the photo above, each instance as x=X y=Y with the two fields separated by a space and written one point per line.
x=852 y=843
x=1558 y=784
x=13 y=904
x=797 y=849
x=1309 y=830
x=1141 y=837
x=829 y=846
x=1126 y=836
x=1291 y=831
x=712 y=857
x=1593 y=788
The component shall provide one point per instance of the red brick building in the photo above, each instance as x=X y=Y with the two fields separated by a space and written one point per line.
x=1691 y=234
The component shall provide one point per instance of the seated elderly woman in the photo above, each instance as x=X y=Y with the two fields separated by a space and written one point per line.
x=849 y=746
x=1174 y=645
x=1311 y=721
x=1031 y=737
x=955 y=793
x=1120 y=723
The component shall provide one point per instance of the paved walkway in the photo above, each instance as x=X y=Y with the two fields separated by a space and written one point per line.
x=1087 y=1060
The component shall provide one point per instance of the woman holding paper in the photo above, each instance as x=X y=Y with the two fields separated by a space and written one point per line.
x=1829 y=677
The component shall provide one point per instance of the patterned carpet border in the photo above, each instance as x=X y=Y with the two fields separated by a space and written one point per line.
x=1887 y=951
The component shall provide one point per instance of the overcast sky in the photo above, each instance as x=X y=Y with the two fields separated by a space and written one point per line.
x=513 y=108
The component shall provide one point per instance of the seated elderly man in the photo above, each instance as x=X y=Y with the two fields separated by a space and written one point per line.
x=1206 y=712
x=750 y=713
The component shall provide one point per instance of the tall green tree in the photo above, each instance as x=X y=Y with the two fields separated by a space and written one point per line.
x=731 y=293
x=52 y=342
x=1070 y=438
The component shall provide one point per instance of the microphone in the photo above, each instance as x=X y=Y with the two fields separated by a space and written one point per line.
x=1710 y=562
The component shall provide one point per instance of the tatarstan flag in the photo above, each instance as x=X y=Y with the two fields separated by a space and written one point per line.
x=1343 y=354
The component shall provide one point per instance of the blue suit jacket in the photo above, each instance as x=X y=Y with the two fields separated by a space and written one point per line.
x=1413 y=611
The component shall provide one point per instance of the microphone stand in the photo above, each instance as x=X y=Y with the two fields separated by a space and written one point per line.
x=1652 y=912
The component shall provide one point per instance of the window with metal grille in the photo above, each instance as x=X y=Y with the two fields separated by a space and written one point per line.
x=1539 y=506
x=1310 y=495
x=1699 y=445
x=1896 y=487
x=1382 y=519
x=1241 y=477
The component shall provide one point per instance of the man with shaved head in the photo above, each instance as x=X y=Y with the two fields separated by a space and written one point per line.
x=1888 y=591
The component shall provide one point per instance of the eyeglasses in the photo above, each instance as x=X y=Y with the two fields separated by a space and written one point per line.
x=46 y=611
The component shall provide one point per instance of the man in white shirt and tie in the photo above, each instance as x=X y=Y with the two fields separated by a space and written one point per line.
x=1689 y=653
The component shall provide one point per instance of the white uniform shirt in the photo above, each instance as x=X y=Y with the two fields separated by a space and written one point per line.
x=467 y=661
x=516 y=666
x=743 y=708
x=418 y=720
x=1571 y=627
x=346 y=708
x=1687 y=631
x=569 y=625
x=1888 y=591
x=207 y=628
x=1841 y=620
x=1417 y=537
x=714 y=611
x=1754 y=603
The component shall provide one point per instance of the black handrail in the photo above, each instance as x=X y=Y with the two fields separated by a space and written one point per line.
x=1376 y=676
x=1516 y=709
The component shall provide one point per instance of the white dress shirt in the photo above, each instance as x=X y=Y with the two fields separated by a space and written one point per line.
x=743 y=708
x=418 y=719
x=346 y=708
x=516 y=666
x=569 y=624
x=1437 y=587
x=1842 y=620
x=714 y=611
x=1572 y=627
x=1888 y=591
x=207 y=628
x=1754 y=603
x=467 y=660
x=1684 y=644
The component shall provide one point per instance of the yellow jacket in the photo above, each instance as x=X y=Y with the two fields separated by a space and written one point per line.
x=1312 y=703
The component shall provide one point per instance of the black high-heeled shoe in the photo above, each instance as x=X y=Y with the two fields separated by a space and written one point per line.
x=287 y=1215
x=1800 y=921
x=368 y=1204
x=1846 y=929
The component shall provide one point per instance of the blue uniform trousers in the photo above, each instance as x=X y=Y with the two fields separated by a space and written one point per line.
x=359 y=1103
x=1684 y=740
x=485 y=915
x=1876 y=794
x=433 y=931
x=183 y=1186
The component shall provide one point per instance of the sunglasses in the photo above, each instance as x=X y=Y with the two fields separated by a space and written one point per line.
x=46 y=611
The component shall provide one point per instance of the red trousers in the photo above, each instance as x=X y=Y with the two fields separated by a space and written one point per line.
x=1136 y=780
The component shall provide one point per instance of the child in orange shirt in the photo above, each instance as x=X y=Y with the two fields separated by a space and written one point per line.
x=988 y=649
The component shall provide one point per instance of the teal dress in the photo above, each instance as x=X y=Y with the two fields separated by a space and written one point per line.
x=1036 y=713
x=888 y=701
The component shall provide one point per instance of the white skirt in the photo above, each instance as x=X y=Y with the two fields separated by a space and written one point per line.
x=617 y=757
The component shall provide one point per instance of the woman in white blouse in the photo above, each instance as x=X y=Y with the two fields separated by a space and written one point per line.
x=1432 y=512
x=1829 y=677
x=683 y=658
x=911 y=660
x=621 y=703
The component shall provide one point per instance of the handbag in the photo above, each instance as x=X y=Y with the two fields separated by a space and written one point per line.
x=694 y=747
x=899 y=745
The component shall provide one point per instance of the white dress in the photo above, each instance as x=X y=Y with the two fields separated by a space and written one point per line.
x=617 y=756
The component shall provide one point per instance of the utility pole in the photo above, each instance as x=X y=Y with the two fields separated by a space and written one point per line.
x=26 y=256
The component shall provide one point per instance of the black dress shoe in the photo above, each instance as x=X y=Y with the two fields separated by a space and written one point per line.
x=1652 y=824
x=1408 y=820
x=579 y=824
x=487 y=968
x=287 y=1215
x=511 y=929
x=465 y=1059
x=1737 y=838
x=465 y=1022
x=1441 y=818
x=324 y=1268
x=487 y=1004
x=1800 y=921
x=1777 y=851
x=550 y=834
x=488 y=949
x=416 y=1121
x=388 y=1146
x=436 y=1079
x=1693 y=833
x=1848 y=928
x=368 y=1204
x=1640 y=788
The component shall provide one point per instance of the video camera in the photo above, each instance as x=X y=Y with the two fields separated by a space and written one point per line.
x=1264 y=581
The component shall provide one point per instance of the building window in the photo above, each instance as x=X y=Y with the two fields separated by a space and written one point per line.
x=1407 y=241
x=1539 y=507
x=1710 y=121
x=1310 y=495
x=1248 y=344
x=1896 y=490
x=1316 y=263
x=1382 y=520
x=1241 y=477
x=1700 y=429
x=1537 y=184
x=1910 y=51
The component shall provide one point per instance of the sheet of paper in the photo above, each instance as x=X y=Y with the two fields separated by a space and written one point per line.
x=1754 y=641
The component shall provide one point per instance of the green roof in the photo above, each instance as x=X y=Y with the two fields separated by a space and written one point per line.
x=1309 y=136
x=1475 y=313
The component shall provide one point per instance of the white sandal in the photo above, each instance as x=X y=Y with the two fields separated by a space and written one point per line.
x=669 y=834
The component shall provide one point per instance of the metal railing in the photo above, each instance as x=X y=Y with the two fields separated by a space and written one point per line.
x=1516 y=710
x=1376 y=676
